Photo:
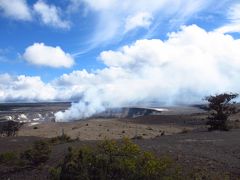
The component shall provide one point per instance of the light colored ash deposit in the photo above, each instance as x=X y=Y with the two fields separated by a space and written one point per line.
x=35 y=113
x=32 y=113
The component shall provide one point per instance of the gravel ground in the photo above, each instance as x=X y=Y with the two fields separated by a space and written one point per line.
x=195 y=148
x=213 y=151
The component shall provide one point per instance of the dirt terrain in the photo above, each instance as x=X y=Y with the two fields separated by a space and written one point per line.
x=180 y=133
x=212 y=151
x=100 y=129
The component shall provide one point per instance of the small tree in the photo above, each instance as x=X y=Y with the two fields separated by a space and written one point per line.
x=9 y=128
x=221 y=108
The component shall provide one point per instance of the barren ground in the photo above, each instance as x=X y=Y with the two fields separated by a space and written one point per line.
x=182 y=135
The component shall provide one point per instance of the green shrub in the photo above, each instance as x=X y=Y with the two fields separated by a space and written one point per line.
x=54 y=173
x=114 y=160
x=8 y=157
x=38 y=154
x=11 y=159
x=61 y=139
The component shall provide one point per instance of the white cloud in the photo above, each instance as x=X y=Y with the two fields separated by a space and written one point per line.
x=16 y=9
x=42 y=55
x=182 y=69
x=5 y=78
x=141 y=19
x=234 y=18
x=229 y=28
x=50 y=15
x=25 y=88
x=75 y=78
x=20 y=10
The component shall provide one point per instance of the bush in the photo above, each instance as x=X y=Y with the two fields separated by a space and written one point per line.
x=112 y=160
x=61 y=139
x=38 y=154
x=54 y=173
x=220 y=107
x=8 y=157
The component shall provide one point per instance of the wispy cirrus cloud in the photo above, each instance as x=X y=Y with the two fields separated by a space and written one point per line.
x=117 y=19
x=233 y=17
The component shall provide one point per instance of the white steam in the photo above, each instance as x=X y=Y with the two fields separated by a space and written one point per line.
x=190 y=64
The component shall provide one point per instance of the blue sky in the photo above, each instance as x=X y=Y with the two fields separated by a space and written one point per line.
x=70 y=49
x=86 y=23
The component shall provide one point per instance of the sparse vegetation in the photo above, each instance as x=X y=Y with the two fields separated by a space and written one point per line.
x=8 y=157
x=107 y=160
x=61 y=139
x=38 y=154
x=55 y=173
x=220 y=107
x=112 y=160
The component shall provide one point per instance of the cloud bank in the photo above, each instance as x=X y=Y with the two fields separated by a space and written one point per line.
x=189 y=65
x=42 y=55
x=25 y=88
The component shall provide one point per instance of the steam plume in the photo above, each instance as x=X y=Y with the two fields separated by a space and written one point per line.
x=188 y=65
